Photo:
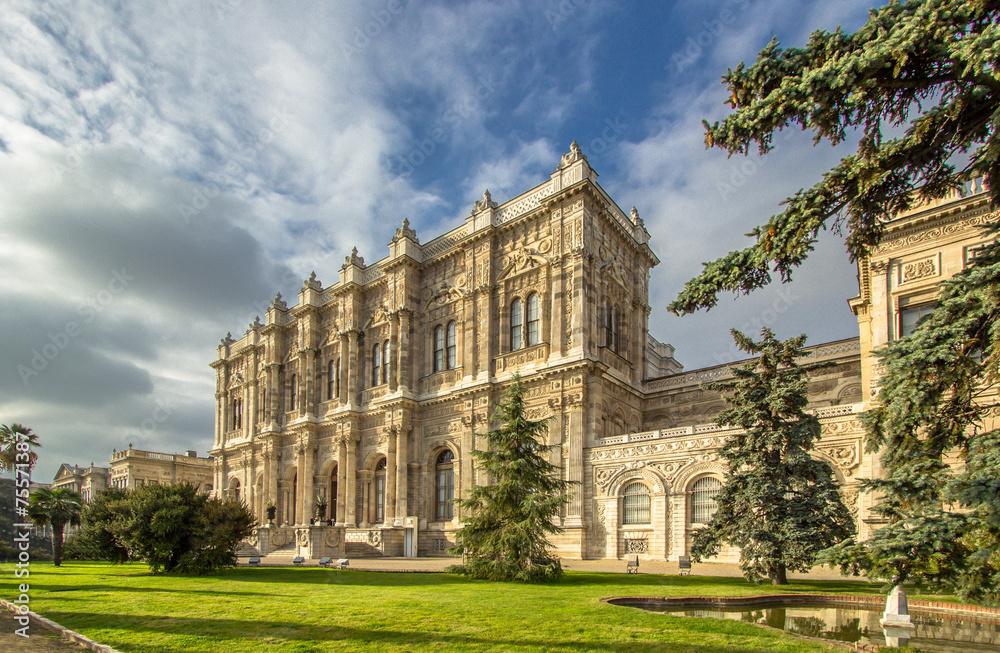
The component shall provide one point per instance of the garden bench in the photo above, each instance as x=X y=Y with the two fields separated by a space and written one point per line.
x=633 y=564
x=253 y=562
x=298 y=560
x=325 y=562
x=684 y=564
x=342 y=563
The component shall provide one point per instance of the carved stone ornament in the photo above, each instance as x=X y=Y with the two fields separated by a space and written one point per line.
x=302 y=536
x=485 y=203
x=379 y=315
x=571 y=157
x=523 y=258
x=445 y=293
x=919 y=270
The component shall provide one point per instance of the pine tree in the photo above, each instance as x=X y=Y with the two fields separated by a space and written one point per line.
x=778 y=504
x=931 y=66
x=938 y=399
x=505 y=538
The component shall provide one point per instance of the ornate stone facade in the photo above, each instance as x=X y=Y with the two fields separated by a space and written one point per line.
x=371 y=392
x=899 y=283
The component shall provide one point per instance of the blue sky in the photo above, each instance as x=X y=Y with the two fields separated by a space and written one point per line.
x=166 y=167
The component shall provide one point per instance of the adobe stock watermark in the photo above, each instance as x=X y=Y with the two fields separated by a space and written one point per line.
x=564 y=11
x=233 y=172
x=162 y=412
x=610 y=135
x=712 y=30
x=783 y=301
x=22 y=531
x=88 y=310
x=374 y=26
x=451 y=117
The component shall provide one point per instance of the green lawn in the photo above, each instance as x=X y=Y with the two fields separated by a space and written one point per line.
x=310 y=609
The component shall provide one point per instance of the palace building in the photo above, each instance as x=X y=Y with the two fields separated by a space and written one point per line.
x=353 y=411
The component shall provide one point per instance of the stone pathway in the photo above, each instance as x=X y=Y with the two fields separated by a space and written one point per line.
x=39 y=640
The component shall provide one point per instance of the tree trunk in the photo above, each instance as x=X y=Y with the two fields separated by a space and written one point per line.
x=57 y=543
x=779 y=575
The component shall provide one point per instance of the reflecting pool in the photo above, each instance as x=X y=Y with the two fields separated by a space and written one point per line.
x=848 y=623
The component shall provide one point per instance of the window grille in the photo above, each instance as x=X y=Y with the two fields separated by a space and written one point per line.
x=703 y=495
x=636 y=504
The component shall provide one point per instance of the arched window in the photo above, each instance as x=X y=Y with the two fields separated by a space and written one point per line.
x=380 y=491
x=534 y=319
x=445 y=485
x=332 y=493
x=291 y=393
x=331 y=380
x=376 y=364
x=263 y=403
x=703 y=495
x=385 y=362
x=449 y=346
x=336 y=381
x=635 y=504
x=438 y=348
x=516 y=325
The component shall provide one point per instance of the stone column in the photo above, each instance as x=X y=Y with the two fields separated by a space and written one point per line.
x=390 y=479
x=219 y=424
x=272 y=487
x=342 y=371
x=309 y=398
x=393 y=360
x=308 y=489
x=266 y=489
x=353 y=374
x=300 y=475
x=341 y=481
x=350 y=491
x=402 y=477
x=404 y=350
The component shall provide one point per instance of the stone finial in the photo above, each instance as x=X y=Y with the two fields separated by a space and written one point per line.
x=256 y=323
x=228 y=340
x=278 y=303
x=353 y=259
x=312 y=282
x=575 y=154
x=405 y=232
x=485 y=203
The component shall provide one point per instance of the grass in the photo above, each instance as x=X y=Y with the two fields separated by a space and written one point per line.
x=311 y=609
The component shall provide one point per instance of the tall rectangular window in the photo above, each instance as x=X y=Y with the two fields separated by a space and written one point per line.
x=534 y=319
x=909 y=318
x=450 y=345
x=438 y=348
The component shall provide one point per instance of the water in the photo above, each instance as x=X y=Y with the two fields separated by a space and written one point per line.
x=851 y=623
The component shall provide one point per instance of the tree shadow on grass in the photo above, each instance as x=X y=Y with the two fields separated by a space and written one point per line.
x=59 y=589
x=273 y=633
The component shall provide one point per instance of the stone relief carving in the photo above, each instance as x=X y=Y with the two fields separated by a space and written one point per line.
x=444 y=293
x=523 y=258
x=919 y=270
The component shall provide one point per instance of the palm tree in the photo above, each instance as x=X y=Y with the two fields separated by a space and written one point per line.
x=56 y=507
x=10 y=436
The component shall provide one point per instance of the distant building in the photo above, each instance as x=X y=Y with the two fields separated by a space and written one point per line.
x=132 y=468
x=88 y=481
